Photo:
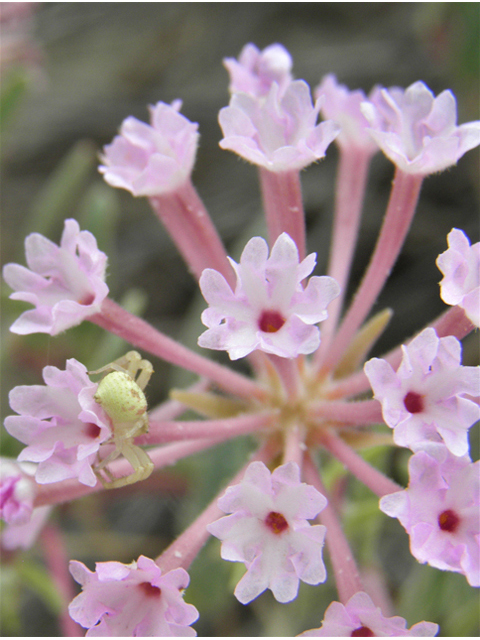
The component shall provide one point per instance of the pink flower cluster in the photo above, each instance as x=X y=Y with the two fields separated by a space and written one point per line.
x=132 y=600
x=360 y=618
x=151 y=159
x=65 y=283
x=428 y=398
x=429 y=404
x=266 y=307
x=270 y=310
x=61 y=424
x=269 y=532
x=417 y=130
x=440 y=511
x=460 y=266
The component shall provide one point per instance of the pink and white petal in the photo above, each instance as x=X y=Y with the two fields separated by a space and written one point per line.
x=254 y=582
x=443 y=114
x=23 y=280
x=471 y=305
x=41 y=253
x=469 y=136
x=310 y=306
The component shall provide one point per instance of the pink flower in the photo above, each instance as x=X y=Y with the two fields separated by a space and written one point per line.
x=440 y=511
x=65 y=283
x=424 y=400
x=278 y=132
x=361 y=618
x=17 y=491
x=270 y=310
x=343 y=106
x=255 y=70
x=61 y=423
x=460 y=265
x=149 y=160
x=269 y=532
x=417 y=131
x=23 y=536
x=131 y=600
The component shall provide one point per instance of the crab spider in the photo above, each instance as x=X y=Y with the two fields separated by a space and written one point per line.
x=120 y=394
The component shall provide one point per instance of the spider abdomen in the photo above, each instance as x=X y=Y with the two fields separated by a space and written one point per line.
x=121 y=397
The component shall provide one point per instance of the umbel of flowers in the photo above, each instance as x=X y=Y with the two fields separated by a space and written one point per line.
x=309 y=385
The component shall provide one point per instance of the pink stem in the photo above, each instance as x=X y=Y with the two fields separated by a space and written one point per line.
x=359 y=413
x=57 y=562
x=347 y=576
x=185 y=549
x=66 y=490
x=350 y=386
x=191 y=228
x=160 y=432
x=371 y=477
x=294 y=447
x=283 y=204
x=287 y=369
x=350 y=190
x=142 y=335
x=453 y=322
x=398 y=217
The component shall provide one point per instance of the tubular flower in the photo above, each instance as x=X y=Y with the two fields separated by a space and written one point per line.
x=152 y=159
x=343 y=106
x=61 y=423
x=17 y=491
x=65 y=283
x=23 y=536
x=361 y=618
x=424 y=400
x=460 y=265
x=269 y=532
x=132 y=600
x=418 y=131
x=270 y=310
x=439 y=510
x=256 y=70
x=278 y=132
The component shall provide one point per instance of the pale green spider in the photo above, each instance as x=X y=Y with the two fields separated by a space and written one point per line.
x=120 y=394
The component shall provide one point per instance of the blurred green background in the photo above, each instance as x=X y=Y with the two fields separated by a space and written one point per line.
x=87 y=66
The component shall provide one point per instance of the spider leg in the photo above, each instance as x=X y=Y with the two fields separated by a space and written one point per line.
x=139 y=461
x=126 y=363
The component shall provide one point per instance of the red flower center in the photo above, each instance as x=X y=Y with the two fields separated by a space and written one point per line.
x=87 y=299
x=92 y=430
x=150 y=590
x=413 y=402
x=270 y=321
x=276 y=522
x=448 y=521
x=362 y=632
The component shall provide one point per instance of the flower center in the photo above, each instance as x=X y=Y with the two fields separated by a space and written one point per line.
x=270 y=321
x=92 y=430
x=87 y=299
x=413 y=402
x=448 y=521
x=149 y=590
x=362 y=632
x=276 y=522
